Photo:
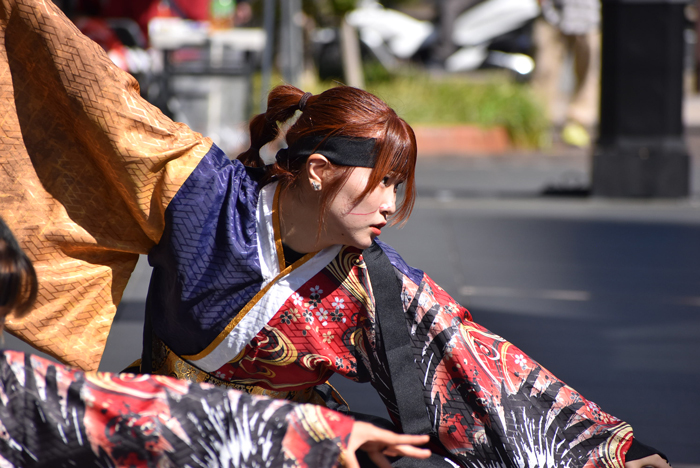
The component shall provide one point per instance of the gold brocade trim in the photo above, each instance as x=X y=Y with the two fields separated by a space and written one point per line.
x=166 y=362
x=315 y=424
x=611 y=450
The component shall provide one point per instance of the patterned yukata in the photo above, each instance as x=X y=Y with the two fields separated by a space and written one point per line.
x=56 y=416
x=92 y=176
x=226 y=308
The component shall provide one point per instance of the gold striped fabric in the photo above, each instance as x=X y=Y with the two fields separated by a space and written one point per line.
x=87 y=169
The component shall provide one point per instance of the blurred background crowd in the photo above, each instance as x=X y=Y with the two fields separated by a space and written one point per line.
x=530 y=67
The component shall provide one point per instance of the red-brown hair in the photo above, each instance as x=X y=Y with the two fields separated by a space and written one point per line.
x=340 y=111
x=18 y=283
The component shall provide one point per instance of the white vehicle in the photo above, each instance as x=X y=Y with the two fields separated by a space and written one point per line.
x=392 y=35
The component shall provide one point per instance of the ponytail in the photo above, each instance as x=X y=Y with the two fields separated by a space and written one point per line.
x=282 y=103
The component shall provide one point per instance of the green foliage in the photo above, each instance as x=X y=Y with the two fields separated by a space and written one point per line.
x=488 y=101
x=485 y=99
x=375 y=73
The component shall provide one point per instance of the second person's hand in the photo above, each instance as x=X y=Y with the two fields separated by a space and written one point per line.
x=380 y=443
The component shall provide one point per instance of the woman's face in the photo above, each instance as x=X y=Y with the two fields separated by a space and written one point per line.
x=357 y=223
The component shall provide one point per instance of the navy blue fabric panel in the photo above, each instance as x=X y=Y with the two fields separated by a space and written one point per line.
x=414 y=274
x=206 y=266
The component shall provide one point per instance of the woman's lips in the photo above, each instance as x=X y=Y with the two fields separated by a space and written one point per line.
x=377 y=228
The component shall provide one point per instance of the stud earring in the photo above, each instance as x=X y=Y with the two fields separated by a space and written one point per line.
x=315 y=185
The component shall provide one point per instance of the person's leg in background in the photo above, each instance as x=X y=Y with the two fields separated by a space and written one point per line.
x=582 y=112
x=550 y=55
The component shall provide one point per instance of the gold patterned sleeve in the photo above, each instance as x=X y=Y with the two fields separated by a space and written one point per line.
x=316 y=436
x=87 y=169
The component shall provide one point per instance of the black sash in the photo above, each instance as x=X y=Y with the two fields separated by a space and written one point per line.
x=405 y=378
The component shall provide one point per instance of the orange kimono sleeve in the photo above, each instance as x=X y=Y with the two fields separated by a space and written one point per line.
x=87 y=168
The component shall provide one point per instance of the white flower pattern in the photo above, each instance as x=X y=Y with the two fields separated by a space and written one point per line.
x=322 y=315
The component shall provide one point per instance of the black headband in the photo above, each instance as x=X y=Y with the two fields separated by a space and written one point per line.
x=340 y=150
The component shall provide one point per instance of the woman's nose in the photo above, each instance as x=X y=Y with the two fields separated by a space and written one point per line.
x=388 y=208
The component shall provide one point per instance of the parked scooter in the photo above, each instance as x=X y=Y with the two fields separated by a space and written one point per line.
x=493 y=33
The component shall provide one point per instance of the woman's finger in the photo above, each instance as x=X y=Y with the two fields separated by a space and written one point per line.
x=363 y=432
x=405 y=439
x=406 y=451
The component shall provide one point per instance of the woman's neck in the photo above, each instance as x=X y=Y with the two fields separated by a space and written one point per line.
x=299 y=221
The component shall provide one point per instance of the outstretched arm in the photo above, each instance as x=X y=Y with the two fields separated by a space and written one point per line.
x=108 y=419
x=496 y=392
x=87 y=169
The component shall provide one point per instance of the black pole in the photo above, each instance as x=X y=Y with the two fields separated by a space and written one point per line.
x=269 y=24
x=640 y=150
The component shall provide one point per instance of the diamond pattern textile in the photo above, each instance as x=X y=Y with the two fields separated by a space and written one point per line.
x=87 y=169
x=209 y=246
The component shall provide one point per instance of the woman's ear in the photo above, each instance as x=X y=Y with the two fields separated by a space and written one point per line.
x=319 y=170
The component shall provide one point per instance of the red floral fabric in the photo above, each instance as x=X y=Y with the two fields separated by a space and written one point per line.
x=491 y=404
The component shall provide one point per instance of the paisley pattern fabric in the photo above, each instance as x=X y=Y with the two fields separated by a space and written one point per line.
x=57 y=416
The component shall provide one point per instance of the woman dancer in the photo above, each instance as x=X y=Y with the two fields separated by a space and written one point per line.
x=266 y=279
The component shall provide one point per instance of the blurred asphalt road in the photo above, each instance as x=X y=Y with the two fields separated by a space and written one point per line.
x=604 y=293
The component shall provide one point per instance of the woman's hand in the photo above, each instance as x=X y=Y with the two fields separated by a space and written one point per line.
x=379 y=442
x=652 y=461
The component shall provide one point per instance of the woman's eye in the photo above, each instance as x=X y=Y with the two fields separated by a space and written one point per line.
x=386 y=180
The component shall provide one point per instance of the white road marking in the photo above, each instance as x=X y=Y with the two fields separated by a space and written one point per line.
x=550 y=294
